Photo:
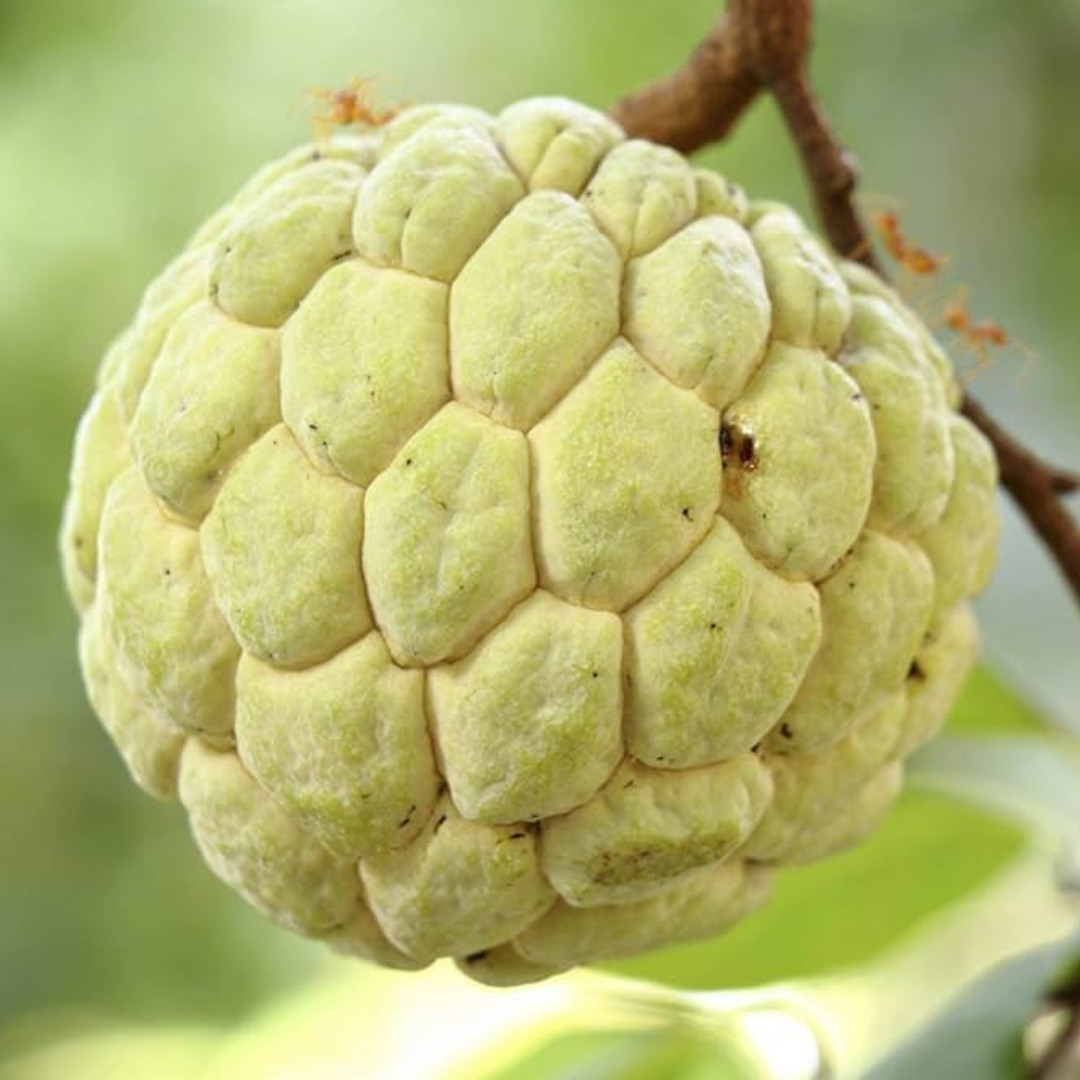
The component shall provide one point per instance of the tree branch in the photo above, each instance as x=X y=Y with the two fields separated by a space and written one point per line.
x=1037 y=489
x=1060 y=1050
x=703 y=99
x=830 y=168
x=765 y=45
x=1066 y=997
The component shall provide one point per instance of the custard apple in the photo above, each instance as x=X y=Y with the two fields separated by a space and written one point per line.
x=513 y=544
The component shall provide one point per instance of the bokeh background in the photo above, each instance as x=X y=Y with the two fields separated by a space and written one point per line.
x=123 y=123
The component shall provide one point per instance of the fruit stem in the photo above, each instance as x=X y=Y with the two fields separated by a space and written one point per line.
x=764 y=45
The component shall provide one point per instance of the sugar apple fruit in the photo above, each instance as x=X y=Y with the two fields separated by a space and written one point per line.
x=512 y=544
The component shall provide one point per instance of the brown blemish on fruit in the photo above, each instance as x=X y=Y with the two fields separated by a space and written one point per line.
x=657 y=860
x=739 y=456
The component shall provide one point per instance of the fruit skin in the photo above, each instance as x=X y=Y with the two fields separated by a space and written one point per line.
x=513 y=544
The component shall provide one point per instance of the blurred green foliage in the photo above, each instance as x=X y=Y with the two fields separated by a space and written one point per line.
x=981 y=1033
x=989 y=705
x=848 y=909
x=676 y=1052
x=123 y=123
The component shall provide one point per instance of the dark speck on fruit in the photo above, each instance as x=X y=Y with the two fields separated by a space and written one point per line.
x=738 y=446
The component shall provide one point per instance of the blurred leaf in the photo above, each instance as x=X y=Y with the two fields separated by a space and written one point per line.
x=848 y=909
x=980 y=1034
x=1034 y=778
x=988 y=705
x=116 y=1054
x=931 y=851
x=998 y=749
x=679 y=1052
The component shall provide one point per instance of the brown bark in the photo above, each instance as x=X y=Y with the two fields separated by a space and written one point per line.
x=764 y=45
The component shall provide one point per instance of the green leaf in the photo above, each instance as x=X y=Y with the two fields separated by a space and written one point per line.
x=988 y=705
x=931 y=851
x=980 y=1033
x=1035 y=779
x=676 y=1052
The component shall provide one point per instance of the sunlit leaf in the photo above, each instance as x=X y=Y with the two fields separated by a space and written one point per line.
x=988 y=705
x=1037 y=778
x=115 y=1054
x=679 y=1052
x=931 y=851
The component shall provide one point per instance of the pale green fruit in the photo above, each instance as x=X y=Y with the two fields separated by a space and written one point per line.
x=512 y=543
